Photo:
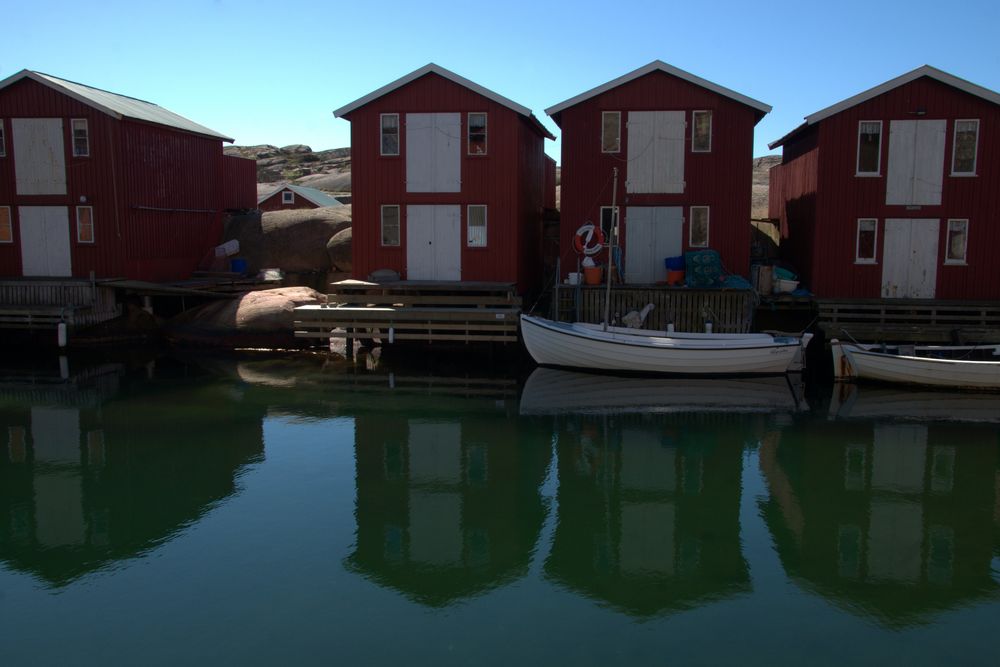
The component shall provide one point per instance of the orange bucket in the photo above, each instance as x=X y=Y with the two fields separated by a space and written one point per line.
x=675 y=277
x=592 y=275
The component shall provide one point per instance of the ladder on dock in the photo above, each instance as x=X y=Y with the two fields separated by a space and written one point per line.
x=415 y=311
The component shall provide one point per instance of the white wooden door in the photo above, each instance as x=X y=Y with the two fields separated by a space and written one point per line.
x=433 y=243
x=655 y=152
x=45 y=249
x=433 y=152
x=909 y=258
x=652 y=233
x=916 y=162
x=39 y=156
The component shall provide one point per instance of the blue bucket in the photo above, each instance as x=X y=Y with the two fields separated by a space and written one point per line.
x=674 y=263
x=238 y=265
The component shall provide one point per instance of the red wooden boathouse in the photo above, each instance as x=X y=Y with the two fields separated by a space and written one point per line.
x=287 y=196
x=93 y=181
x=448 y=181
x=894 y=193
x=684 y=150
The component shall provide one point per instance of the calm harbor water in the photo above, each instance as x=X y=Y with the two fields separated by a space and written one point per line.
x=260 y=510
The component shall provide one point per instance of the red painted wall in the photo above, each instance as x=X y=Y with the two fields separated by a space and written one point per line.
x=273 y=203
x=157 y=194
x=508 y=180
x=240 y=182
x=720 y=179
x=841 y=197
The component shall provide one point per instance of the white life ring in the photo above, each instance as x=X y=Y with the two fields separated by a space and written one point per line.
x=589 y=239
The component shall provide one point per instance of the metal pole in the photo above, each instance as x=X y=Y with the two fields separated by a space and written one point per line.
x=612 y=242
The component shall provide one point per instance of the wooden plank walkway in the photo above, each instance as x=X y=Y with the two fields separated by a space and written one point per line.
x=43 y=303
x=911 y=320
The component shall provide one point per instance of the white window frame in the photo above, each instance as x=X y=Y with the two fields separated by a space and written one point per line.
x=468 y=134
x=287 y=197
x=381 y=135
x=857 y=156
x=618 y=148
x=86 y=129
x=694 y=126
x=3 y=140
x=708 y=227
x=10 y=224
x=947 y=243
x=954 y=147
x=468 y=226
x=857 y=243
x=399 y=226
x=93 y=232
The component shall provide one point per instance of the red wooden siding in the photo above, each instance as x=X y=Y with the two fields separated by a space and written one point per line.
x=157 y=194
x=508 y=180
x=240 y=182
x=550 y=183
x=720 y=179
x=827 y=253
x=273 y=203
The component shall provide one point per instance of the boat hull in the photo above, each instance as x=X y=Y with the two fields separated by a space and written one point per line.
x=852 y=361
x=562 y=344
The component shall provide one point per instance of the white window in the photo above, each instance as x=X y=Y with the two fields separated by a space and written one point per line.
x=6 y=225
x=958 y=240
x=611 y=131
x=869 y=148
x=701 y=131
x=698 y=230
x=85 y=224
x=287 y=197
x=963 y=150
x=390 y=225
x=390 y=134
x=81 y=138
x=867 y=241
x=476 y=223
x=477 y=134
x=3 y=142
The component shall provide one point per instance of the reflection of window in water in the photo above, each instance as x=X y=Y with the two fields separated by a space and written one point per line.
x=942 y=469
x=693 y=468
x=393 y=455
x=435 y=450
x=941 y=556
x=855 y=468
x=475 y=464
x=17 y=447
x=646 y=464
x=849 y=552
x=392 y=544
x=95 y=448
x=477 y=547
x=900 y=458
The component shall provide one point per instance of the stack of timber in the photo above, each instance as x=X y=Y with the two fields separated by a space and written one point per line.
x=911 y=320
x=44 y=303
x=729 y=311
x=426 y=311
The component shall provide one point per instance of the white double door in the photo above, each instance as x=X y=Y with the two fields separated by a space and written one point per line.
x=652 y=233
x=433 y=242
x=45 y=246
x=909 y=259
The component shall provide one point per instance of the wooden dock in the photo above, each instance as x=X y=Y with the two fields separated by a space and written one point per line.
x=420 y=311
x=44 y=303
x=911 y=320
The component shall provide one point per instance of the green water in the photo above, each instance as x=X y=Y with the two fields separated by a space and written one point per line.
x=293 y=511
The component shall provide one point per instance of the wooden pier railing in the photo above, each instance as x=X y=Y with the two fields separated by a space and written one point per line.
x=911 y=320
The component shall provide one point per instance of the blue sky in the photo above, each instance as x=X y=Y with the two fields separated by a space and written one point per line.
x=274 y=72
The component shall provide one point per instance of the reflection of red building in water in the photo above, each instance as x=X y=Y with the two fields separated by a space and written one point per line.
x=649 y=510
x=447 y=507
x=891 y=519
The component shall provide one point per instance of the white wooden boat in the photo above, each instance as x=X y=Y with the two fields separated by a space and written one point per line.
x=573 y=345
x=865 y=362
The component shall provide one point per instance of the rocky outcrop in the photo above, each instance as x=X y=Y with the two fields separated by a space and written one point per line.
x=329 y=170
x=294 y=241
x=761 y=185
x=255 y=319
x=338 y=248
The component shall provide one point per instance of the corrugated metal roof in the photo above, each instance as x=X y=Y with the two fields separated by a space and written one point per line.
x=317 y=197
x=113 y=104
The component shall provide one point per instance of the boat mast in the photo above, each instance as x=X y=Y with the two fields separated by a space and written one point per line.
x=612 y=243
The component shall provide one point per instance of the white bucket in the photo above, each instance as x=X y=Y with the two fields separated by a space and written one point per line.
x=574 y=278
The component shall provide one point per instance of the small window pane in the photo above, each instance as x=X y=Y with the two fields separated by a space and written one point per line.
x=701 y=132
x=957 y=241
x=867 y=231
x=390 y=134
x=390 y=225
x=698 y=236
x=6 y=228
x=966 y=138
x=81 y=138
x=477 y=134
x=85 y=224
x=611 y=126
x=869 y=146
x=477 y=227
